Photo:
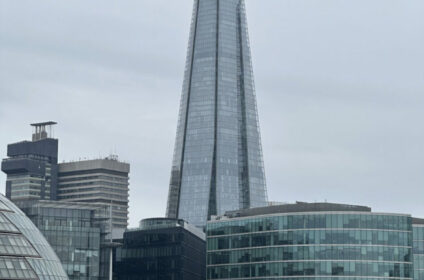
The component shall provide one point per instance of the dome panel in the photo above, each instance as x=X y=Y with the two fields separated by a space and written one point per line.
x=24 y=252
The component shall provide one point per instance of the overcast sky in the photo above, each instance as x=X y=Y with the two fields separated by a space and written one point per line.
x=340 y=90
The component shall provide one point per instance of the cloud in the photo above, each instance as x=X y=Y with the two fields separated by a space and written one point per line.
x=339 y=86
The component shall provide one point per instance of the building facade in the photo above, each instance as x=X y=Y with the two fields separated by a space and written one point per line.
x=31 y=166
x=100 y=182
x=161 y=249
x=74 y=232
x=217 y=163
x=418 y=247
x=24 y=252
x=310 y=241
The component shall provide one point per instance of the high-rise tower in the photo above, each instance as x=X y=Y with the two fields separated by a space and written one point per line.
x=31 y=166
x=217 y=163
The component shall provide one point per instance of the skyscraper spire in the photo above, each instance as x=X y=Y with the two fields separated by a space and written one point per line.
x=217 y=163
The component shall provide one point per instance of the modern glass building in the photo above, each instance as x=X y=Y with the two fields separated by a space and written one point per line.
x=310 y=241
x=31 y=166
x=418 y=248
x=73 y=231
x=217 y=163
x=24 y=252
x=161 y=249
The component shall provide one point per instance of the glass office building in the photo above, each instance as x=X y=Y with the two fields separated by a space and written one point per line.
x=161 y=249
x=73 y=231
x=310 y=241
x=217 y=163
x=418 y=248
x=24 y=252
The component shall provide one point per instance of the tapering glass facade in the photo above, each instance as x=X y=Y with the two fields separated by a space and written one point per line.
x=218 y=163
x=311 y=246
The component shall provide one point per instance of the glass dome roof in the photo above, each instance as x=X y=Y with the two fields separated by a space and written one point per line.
x=24 y=252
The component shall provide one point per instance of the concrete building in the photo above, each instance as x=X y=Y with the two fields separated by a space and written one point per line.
x=312 y=241
x=31 y=166
x=161 y=249
x=100 y=182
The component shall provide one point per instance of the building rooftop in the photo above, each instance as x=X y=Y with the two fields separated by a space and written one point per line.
x=44 y=123
x=109 y=163
x=417 y=221
x=297 y=207
x=162 y=223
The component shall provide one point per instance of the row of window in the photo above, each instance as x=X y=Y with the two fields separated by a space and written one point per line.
x=96 y=177
x=377 y=253
x=305 y=237
x=323 y=268
x=347 y=221
x=89 y=183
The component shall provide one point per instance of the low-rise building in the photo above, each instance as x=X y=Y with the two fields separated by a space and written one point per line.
x=161 y=249
x=74 y=232
x=310 y=240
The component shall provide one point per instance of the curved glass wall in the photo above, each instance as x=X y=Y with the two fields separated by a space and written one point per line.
x=24 y=252
x=324 y=245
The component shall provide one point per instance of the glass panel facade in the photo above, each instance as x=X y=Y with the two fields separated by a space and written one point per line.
x=16 y=268
x=158 y=252
x=418 y=250
x=24 y=252
x=71 y=233
x=217 y=162
x=295 y=246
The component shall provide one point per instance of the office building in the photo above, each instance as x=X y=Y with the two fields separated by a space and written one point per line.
x=74 y=232
x=217 y=164
x=100 y=182
x=24 y=252
x=310 y=241
x=31 y=166
x=418 y=247
x=161 y=249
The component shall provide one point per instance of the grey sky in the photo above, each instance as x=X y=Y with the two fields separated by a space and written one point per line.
x=340 y=89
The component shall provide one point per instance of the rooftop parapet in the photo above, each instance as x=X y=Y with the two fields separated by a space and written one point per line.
x=297 y=207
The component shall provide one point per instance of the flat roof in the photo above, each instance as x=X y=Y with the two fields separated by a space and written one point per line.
x=298 y=207
x=417 y=221
x=44 y=123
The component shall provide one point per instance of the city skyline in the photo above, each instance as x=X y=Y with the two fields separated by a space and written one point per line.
x=353 y=123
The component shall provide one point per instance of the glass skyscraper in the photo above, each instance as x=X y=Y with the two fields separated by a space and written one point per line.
x=217 y=163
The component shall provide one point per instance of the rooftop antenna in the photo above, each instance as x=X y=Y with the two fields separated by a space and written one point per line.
x=42 y=130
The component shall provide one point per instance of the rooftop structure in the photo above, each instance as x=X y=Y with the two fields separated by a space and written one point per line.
x=42 y=130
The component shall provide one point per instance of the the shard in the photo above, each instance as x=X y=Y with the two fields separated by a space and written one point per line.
x=217 y=163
